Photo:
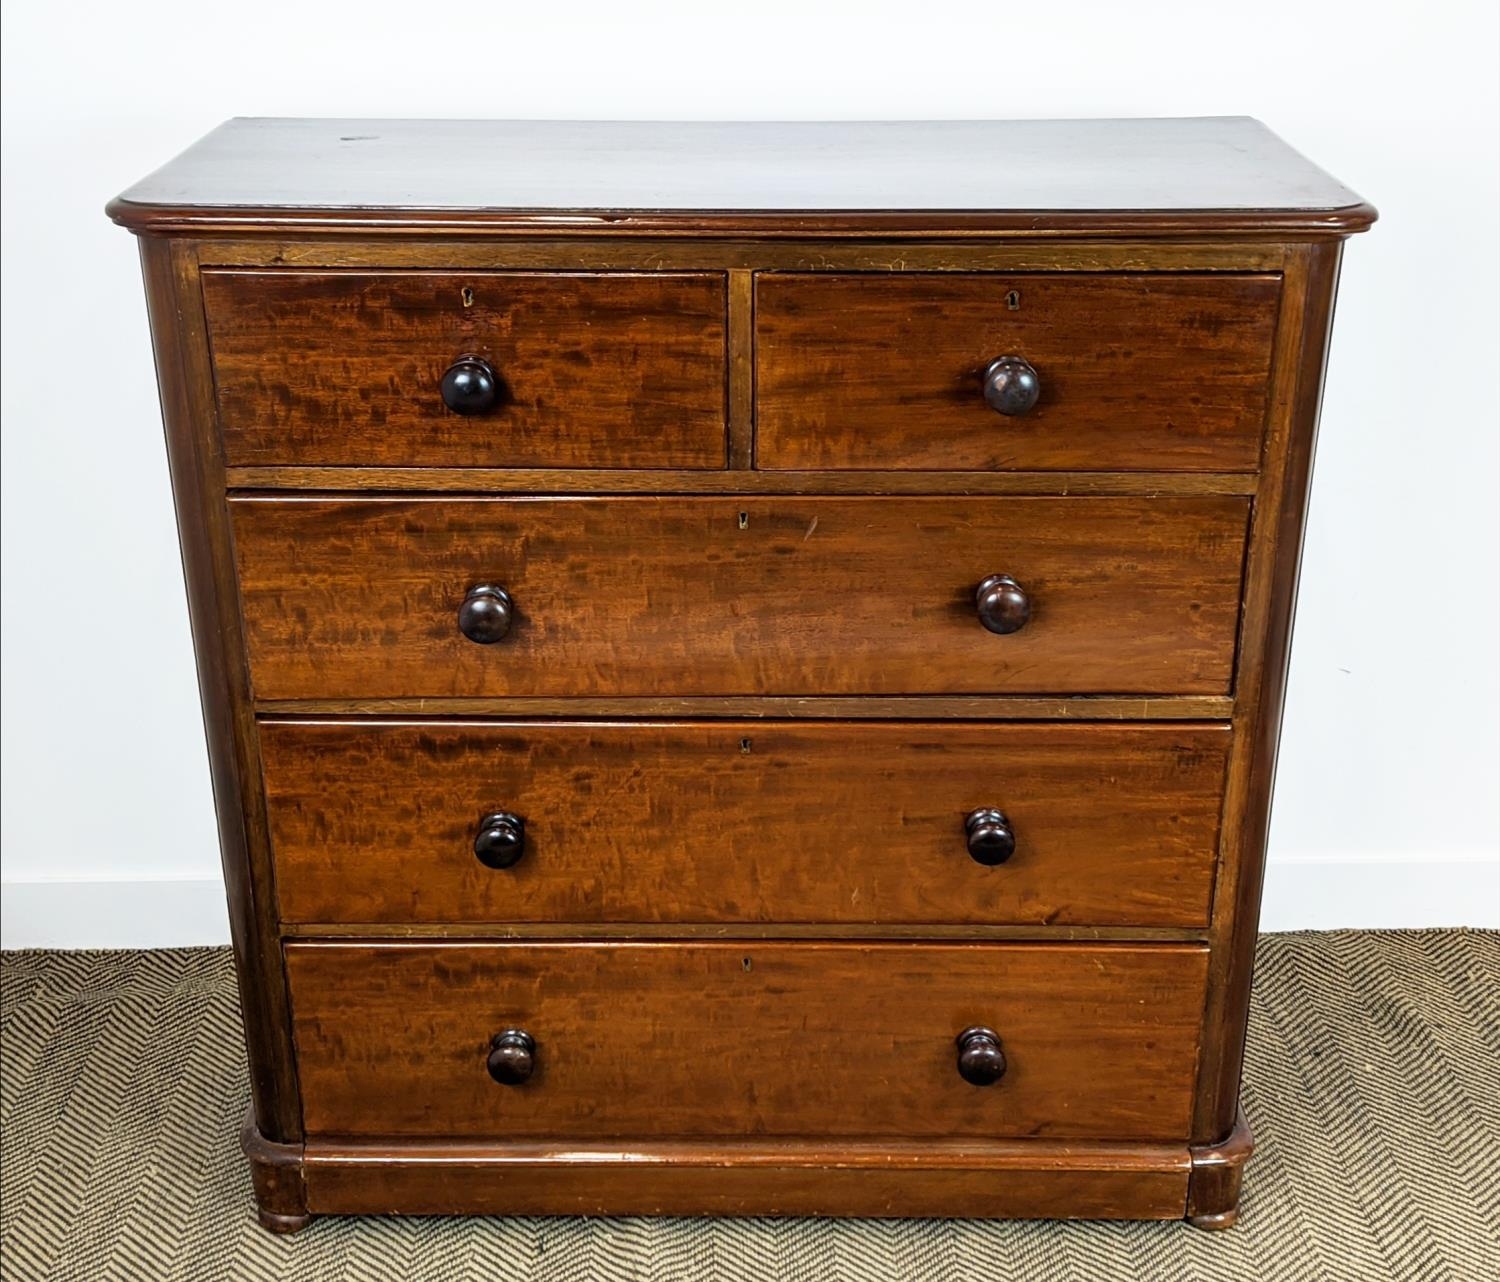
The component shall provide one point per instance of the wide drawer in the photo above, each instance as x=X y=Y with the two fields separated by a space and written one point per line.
x=612 y=370
x=1135 y=371
x=746 y=1039
x=820 y=822
x=756 y=596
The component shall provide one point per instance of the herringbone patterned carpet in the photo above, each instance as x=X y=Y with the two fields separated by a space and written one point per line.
x=1373 y=1085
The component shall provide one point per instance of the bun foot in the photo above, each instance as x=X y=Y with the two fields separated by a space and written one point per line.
x=279 y=1223
x=1214 y=1223
x=276 y=1174
x=1213 y=1201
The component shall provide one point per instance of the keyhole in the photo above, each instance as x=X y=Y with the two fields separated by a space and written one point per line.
x=744 y=520
x=467 y=295
x=745 y=746
x=1013 y=300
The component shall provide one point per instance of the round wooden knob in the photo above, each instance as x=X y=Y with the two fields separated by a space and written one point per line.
x=512 y=1057
x=1003 y=604
x=1011 y=386
x=981 y=1062
x=501 y=839
x=469 y=386
x=484 y=617
x=991 y=840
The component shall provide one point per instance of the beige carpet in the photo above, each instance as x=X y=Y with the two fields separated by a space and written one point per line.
x=1373 y=1085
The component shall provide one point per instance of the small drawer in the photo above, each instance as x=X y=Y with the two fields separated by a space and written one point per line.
x=438 y=597
x=561 y=370
x=407 y=822
x=987 y=371
x=575 y=1041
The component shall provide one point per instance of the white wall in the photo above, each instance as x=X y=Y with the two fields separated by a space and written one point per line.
x=1386 y=811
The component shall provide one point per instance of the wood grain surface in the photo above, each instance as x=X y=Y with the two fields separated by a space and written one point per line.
x=612 y=370
x=471 y=480
x=1028 y=1178
x=914 y=707
x=747 y=1039
x=597 y=252
x=1137 y=372
x=774 y=596
x=1027 y=177
x=1273 y=561
x=744 y=821
x=197 y=476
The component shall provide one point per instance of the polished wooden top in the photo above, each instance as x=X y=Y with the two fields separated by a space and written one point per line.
x=1215 y=175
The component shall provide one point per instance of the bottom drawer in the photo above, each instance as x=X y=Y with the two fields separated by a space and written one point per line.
x=747 y=1039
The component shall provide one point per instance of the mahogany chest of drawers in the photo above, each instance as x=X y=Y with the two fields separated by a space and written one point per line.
x=742 y=663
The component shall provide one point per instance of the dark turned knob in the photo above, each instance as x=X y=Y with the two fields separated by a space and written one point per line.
x=1011 y=386
x=469 y=386
x=501 y=839
x=991 y=840
x=1003 y=604
x=981 y=1062
x=484 y=617
x=512 y=1056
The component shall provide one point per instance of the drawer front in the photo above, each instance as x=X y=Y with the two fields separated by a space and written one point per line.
x=746 y=1039
x=1166 y=372
x=590 y=370
x=774 y=596
x=744 y=822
